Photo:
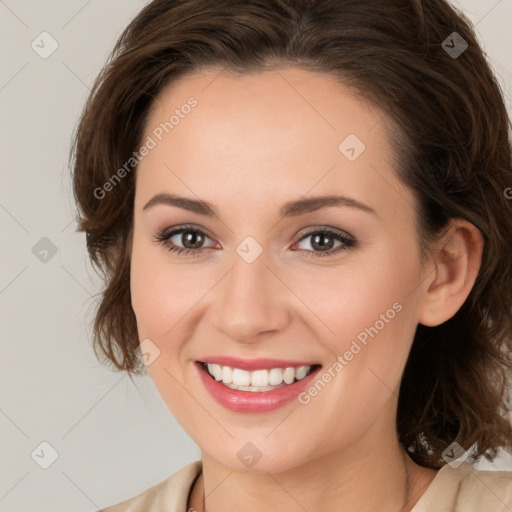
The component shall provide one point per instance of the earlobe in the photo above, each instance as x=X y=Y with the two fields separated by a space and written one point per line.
x=457 y=258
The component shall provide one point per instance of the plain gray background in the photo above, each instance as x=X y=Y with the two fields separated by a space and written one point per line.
x=113 y=439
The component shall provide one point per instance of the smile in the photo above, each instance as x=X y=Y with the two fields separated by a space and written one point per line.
x=258 y=380
x=258 y=390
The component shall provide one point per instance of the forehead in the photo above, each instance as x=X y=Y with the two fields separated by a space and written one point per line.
x=289 y=102
x=279 y=133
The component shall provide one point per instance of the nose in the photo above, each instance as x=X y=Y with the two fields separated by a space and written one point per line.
x=251 y=301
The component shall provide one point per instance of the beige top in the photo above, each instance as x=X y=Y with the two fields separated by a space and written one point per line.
x=464 y=489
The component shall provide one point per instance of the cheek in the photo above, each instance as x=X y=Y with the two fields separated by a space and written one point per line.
x=342 y=306
x=161 y=297
x=372 y=316
x=375 y=290
x=162 y=292
x=370 y=312
x=345 y=301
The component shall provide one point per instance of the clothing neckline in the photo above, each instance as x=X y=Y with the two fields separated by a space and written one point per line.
x=430 y=491
x=436 y=485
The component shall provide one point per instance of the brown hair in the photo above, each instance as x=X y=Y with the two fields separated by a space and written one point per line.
x=452 y=147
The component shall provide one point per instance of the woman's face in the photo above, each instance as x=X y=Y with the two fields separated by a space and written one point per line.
x=264 y=286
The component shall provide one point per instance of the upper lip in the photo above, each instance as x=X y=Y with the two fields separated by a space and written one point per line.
x=255 y=364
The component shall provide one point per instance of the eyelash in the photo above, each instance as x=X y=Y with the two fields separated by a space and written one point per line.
x=348 y=242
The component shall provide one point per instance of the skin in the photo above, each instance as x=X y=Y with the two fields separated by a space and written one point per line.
x=251 y=144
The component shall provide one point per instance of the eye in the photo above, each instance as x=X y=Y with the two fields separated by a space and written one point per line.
x=324 y=239
x=192 y=239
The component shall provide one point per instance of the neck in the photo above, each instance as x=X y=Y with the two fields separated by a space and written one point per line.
x=343 y=480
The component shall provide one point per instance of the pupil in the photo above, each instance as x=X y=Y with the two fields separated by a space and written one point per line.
x=194 y=238
x=321 y=236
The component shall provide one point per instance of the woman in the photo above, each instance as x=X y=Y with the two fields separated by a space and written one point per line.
x=301 y=211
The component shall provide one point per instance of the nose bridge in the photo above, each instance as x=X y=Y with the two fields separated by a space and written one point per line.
x=251 y=297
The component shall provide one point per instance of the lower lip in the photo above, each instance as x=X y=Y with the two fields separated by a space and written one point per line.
x=253 y=401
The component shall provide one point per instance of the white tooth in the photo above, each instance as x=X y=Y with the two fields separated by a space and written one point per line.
x=266 y=388
x=217 y=371
x=227 y=374
x=247 y=388
x=275 y=376
x=289 y=375
x=259 y=378
x=252 y=388
x=300 y=372
x=241 y=377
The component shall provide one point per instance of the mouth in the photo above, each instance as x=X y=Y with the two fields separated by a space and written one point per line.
x=263 y=385
x=258 y=380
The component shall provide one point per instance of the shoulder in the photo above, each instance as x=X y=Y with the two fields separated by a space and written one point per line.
x=467 y=489
x=170 y=494
x=486 y=490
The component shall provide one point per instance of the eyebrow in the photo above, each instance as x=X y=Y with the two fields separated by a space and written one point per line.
x=290 y=209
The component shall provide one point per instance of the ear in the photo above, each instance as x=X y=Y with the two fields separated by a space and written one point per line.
x=457 y=257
